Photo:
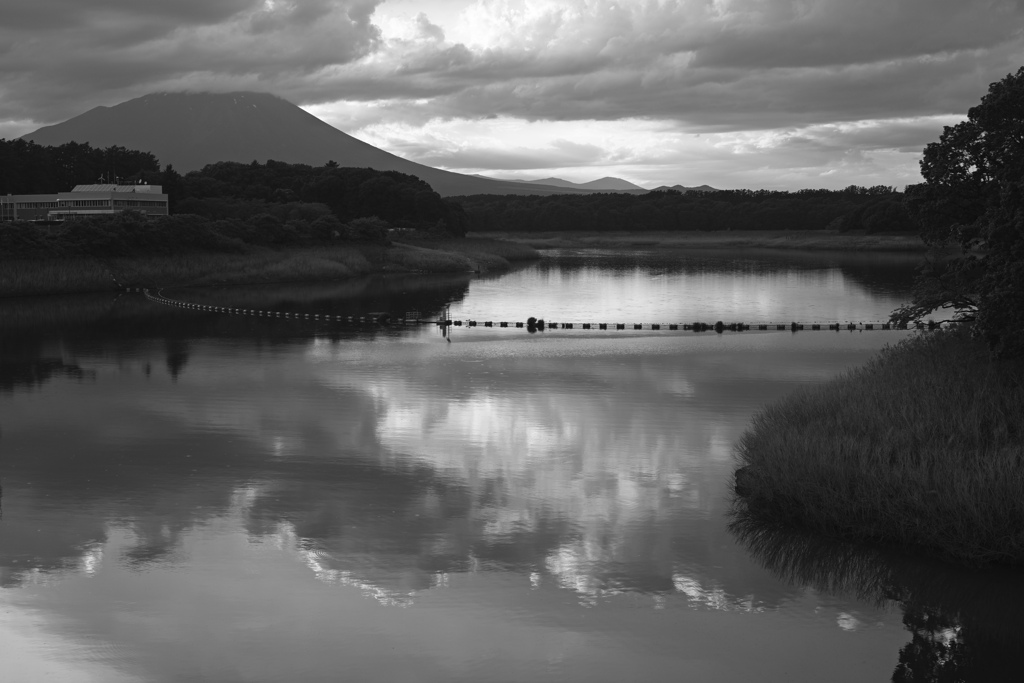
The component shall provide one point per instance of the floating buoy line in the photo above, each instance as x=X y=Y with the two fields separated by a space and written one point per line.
x=531 y=324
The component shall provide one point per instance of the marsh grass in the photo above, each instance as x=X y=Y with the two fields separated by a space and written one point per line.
x=818 y=240
x=194 y=270
x=54 y=276
x=258 y=266
x=920 y=447
x=983 y=600
x=510 y=251
x=484 y=254
x=408 y=257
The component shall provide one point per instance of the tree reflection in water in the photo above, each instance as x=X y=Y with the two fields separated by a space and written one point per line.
x=964 y=622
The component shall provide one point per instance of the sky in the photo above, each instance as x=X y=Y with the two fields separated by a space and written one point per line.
x=773 y=94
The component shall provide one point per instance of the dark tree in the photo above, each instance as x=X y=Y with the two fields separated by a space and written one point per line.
x=28 y=168
x=973 y=197
x=873 y=210
x=172 y=187
x=936 y=652
x=223 y=189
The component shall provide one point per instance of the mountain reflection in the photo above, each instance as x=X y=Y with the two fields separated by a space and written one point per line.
x=964 y=623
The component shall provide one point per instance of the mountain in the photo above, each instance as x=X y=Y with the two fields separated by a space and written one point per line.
x=684 y=190
x=190 y=130
x=606 y=184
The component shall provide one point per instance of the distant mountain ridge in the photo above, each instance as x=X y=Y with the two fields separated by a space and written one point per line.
x=191 y=130
x=606 y=184
x=684 y=189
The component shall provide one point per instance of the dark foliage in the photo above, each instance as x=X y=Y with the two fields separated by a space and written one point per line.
x=230 y=189
x=973 y=197
x=874 y=210
x=133 y=234
x=962 y=623
x=28 y=168
x=224 y=207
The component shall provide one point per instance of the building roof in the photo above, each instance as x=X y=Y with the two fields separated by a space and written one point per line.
x=110 y=187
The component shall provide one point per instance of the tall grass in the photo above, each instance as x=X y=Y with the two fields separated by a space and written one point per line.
x=407 y=257
x=258 y=266
x=510 y=251
x=984 y=602
x=54 y=276
x=293 y=265
x=921 y=447
x=484 y=254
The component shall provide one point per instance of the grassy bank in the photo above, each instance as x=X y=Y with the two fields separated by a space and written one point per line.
x=484 y=253
x=818 y=240
x=65 y=276
x=263 y=266
x=922 y=447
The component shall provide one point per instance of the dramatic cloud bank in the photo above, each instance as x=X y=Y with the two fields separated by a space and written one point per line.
x=766 y=93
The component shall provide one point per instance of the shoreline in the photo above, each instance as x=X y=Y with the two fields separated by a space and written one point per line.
x=919 y=449
x=80 y=275
x=476 y=253
x=818 y=240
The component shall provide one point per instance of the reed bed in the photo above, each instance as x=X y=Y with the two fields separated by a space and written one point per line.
x=408 y=257
x=294 y=265
x=484 y=254
x=510 y=251
x=922 y=447
x=54 y=276
x=262 y=266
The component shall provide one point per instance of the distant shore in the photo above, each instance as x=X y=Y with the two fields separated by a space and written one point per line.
x=478 y=252
x=818 y=240
x=27 y=277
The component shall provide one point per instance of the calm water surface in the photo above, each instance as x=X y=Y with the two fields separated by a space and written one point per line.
x=190 y=496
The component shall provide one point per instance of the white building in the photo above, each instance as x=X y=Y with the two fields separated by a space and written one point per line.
x=84 y=200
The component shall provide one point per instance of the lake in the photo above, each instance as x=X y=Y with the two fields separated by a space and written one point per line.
x=192 y=496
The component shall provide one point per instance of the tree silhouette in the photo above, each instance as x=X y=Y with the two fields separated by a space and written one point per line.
x=973 y=197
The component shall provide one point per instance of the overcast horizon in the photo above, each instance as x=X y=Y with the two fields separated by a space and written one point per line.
x=775 y=94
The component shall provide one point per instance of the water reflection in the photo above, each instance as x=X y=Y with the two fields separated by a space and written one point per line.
x=591 y=463
x=707 y=285
x=42 y=338
x=504 y=501
x=964 y=623
x=34 y=372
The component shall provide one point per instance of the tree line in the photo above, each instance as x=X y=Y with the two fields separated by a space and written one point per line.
x=28 y=168
x=229 y=189
x=226 y=206
x=873 y=210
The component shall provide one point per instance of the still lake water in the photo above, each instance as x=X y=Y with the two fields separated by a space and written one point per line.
x=198 y=497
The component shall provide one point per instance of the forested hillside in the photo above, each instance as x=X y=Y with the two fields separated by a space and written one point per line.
x=876 y=209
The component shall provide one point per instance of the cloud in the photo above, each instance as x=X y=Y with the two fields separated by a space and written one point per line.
x=843 y=32
x=869 y=69
x=427 y=29
x=726 y=64
x=57 y=15
x=112 y=50
x=652 y=153
x=722 y=65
